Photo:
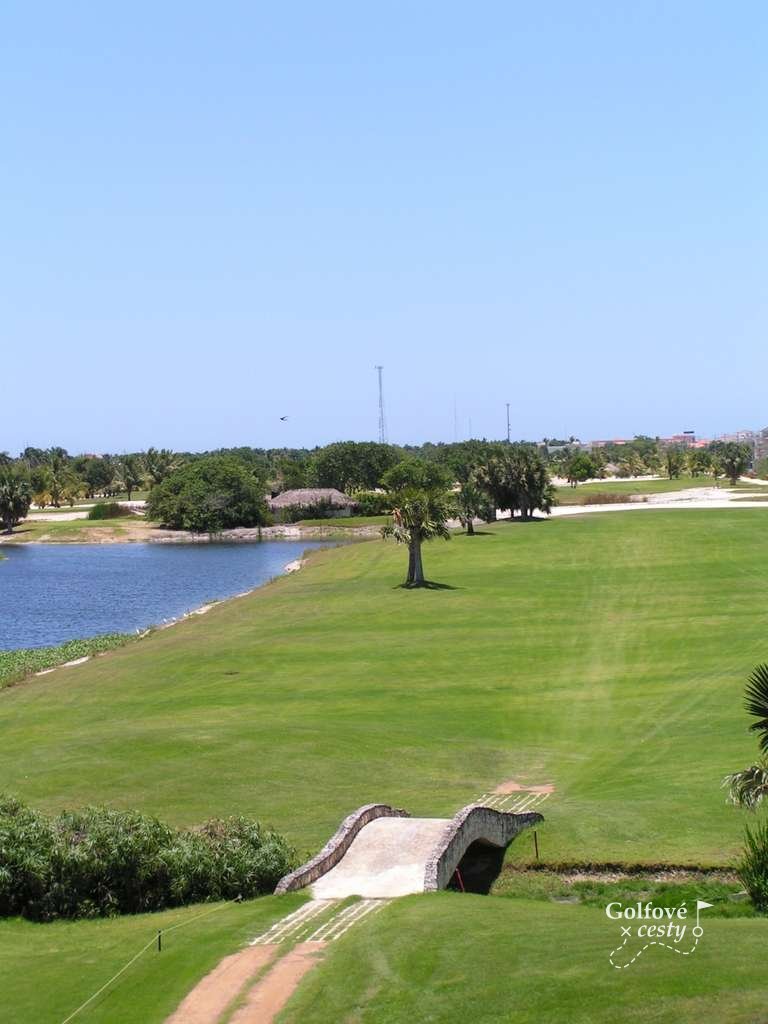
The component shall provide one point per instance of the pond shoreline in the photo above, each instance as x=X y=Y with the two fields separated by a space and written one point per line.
x=103 y=589
x=139 y=532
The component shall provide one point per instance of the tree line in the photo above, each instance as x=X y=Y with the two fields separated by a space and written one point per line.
x=643 y=456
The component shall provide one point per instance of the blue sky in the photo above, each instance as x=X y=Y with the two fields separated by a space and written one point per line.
x=216 y=215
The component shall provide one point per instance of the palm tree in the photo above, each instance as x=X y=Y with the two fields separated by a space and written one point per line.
x=517 y=479
x=748 y=787
x=14 y=498
x=472 y=503
x=159 y=463
x=129 y=471
x=418 y=514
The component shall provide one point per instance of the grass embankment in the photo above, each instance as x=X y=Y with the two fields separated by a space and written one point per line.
x=602 y=654
x=582 y=494
x=16 y=665
x=445 y=958
x=48 y=970
x=84 y=531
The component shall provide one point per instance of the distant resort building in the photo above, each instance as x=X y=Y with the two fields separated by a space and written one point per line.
x=325 y=501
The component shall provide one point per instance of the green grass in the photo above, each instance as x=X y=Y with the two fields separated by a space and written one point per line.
x=346 y=522
x=445 y=958
x=48 y=970
x=72 y=530
x=604 y=654
x=726 y=895
x=579 y=495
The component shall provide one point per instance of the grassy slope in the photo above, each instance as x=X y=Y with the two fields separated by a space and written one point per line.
x=72 y=529
x=604 y=653
x=445 y=958
x=47 y=970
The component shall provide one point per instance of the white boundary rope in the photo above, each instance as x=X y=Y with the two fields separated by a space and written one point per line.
x=152 y=941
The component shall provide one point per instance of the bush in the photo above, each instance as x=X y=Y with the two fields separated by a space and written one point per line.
x=373 y=503
x=297 y=513
x=610 y=498
x=208 y=495
x=97 y=862
x=752 y=869
x=109 y=510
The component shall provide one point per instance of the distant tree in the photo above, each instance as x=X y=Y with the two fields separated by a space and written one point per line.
x=5 y=459
x=761 y=469
x=130 y=473
x=98 y=476
x=291 y=473
x=71 y=487
x=473 y=503
x=579 y=467
x=159 y=463
x=699 y=462
x=15 y=497
x=674 y=461
x=518 y=480
x=33 y=457
x=416 y=474
x=209 y=494
x=354 y=465
x=631 y=463
x=732 y=456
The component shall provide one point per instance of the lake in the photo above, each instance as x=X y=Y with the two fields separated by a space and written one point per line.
x=50 y=593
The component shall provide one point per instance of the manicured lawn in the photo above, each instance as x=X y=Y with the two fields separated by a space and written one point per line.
x=579 y=495
x=48 y=970
x=606 y=654
x=446 y=958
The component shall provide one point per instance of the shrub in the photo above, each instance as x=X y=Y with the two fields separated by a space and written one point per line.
x=610 y=498
x=316 y=510
x=97 y=862
x=373 y=503
x=108 y=510
x=210 y=494
x=752 y=869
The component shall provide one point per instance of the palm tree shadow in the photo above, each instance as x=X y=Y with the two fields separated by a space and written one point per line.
x=426 y=585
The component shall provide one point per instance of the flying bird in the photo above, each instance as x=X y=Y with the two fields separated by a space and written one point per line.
x=283 y=417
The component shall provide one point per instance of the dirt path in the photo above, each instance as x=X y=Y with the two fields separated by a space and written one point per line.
x=268 y=996
x=210 y=997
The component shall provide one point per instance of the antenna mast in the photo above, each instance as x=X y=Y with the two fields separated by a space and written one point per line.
x=382 y=420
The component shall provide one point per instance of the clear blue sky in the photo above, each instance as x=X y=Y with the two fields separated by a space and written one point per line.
x=213 y=215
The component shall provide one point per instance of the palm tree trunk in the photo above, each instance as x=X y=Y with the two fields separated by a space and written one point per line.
x=415 y=565
x=470 y=527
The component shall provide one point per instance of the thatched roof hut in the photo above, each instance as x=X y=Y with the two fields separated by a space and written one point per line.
x=311 y=497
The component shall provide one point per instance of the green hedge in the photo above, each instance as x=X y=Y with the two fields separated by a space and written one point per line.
x=98 y=862
x=15 y=665
x=109 y=510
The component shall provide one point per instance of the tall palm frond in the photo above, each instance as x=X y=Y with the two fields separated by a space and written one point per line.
x=756 y=703
x=747 y=788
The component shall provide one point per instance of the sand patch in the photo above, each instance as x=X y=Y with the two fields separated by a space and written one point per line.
x=511 y=786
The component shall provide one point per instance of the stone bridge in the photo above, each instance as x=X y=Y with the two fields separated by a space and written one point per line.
x=381 y=851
